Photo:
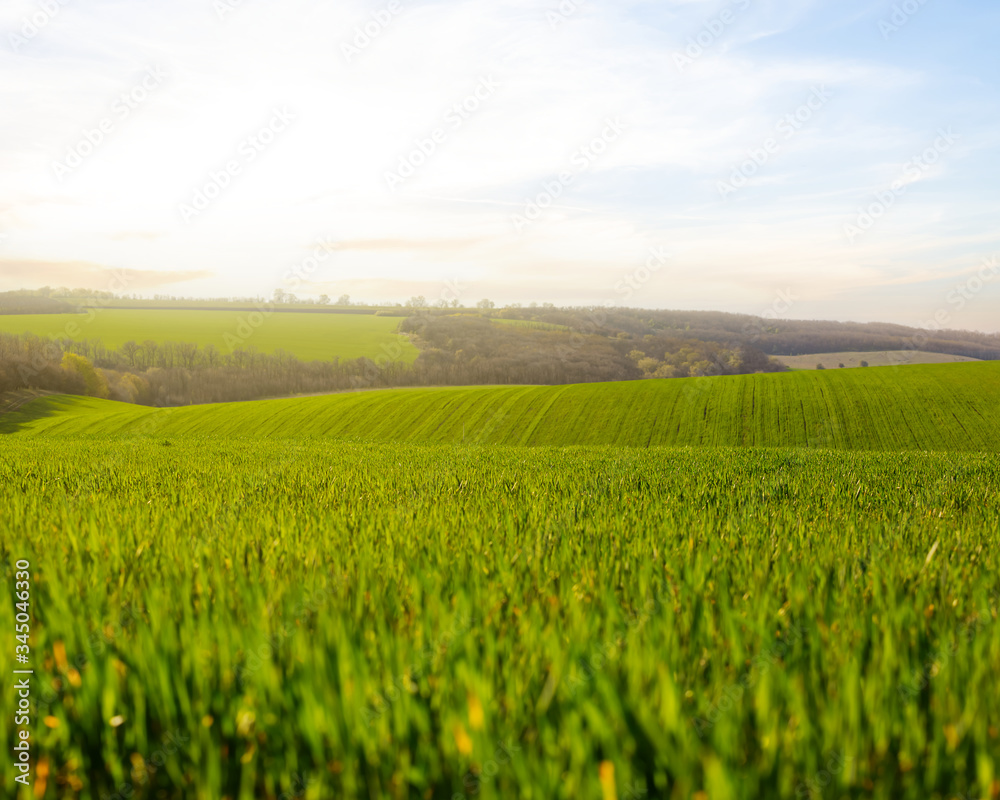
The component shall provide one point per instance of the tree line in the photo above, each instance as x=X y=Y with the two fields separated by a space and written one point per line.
x=25 y=302
x=492 y=346
x=767 y=333
x=770 y=335
x=190 y=375
x=456 y=351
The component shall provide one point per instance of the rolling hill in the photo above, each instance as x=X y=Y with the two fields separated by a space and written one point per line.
x=942 y=407
x=297 y=585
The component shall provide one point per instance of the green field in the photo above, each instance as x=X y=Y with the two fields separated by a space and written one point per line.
x=237 y=619
x=951 y=407
x=277 y=600
x=307 y=336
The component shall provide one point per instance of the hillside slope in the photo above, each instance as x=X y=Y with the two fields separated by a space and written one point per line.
x=930 y=407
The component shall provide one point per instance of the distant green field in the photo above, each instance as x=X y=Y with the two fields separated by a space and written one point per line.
x=307 y=336
x=936 y=407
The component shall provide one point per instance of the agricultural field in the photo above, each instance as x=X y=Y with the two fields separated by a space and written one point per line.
x=949 y=407
x=392 y=407
x=298 y=618
x=320 y=336
x=389 y=595
x=882 y=358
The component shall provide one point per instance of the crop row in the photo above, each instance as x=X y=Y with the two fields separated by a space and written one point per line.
x=265 y=618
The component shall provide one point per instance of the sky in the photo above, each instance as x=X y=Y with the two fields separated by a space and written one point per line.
x=808 y=159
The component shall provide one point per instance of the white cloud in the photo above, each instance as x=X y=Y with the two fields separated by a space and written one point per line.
x=355 y=119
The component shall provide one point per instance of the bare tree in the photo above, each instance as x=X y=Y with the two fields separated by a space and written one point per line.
x=130 y=349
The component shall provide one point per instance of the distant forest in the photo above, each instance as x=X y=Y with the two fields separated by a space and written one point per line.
x=33 y=303
x=771 y=336
x=455 y=352
x=513 y=345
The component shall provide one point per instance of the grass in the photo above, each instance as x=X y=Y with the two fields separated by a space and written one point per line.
x=951 y=407
x=264 y=600
x=307 y=336
x=263 y=619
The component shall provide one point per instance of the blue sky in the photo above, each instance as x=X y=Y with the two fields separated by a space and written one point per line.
x=841 y=153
